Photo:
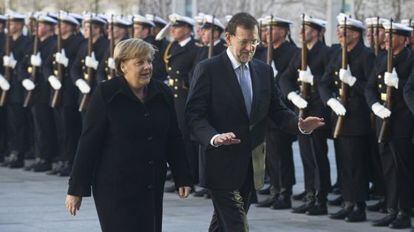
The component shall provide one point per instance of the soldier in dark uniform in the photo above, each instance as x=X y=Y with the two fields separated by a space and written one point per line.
x=279 y=153
x=67 y=118
x=17 y=116
x=3 y=118
x=44 y=126
x=353 y=141
x=143 y=28
x=409 y=23
x=314 y=147
x=397 y=147
x=120 y=29
x=179 y=57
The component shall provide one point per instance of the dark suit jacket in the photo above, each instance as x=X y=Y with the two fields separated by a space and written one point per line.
x=215 y=105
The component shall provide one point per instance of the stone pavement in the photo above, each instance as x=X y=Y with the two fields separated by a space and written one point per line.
x=34 y=202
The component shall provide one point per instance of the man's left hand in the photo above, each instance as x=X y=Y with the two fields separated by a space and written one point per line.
x=184 y=191
x=310 y=123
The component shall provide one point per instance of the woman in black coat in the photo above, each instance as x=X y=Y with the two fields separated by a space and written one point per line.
x=130 y=134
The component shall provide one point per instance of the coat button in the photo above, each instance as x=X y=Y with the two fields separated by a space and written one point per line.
x=150 y=186
x=146 y=114
x=150 y=162
x=149 y=138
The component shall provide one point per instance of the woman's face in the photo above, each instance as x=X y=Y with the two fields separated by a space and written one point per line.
x=138 y=69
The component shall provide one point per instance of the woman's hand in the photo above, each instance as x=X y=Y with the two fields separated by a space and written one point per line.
x=184 y=191
x=73 y=203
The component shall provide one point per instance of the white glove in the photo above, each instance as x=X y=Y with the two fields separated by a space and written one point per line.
x=336 y=106
x=111 y=63
x=83 y=86
x=275 y=72
x=60 y=58
x=28 y=84
x=4 y=84
x=35 y=60
x=306 y=76
x=91 y=62
x=380 y=110
x=54 y=82
x=297 y=100
x=346 y=76
x=391 y=79
x=9 y=61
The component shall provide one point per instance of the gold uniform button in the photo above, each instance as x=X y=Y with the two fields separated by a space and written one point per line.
x=169 y=68
x=175 y=87
x=178 y=72
x=29 y=69
x=379 y=76
x=379 y=86
x=336 y=83
x=170 y=82
x=176 y=95
x=82 y=61
x=55 y=72
x=383 y=96
x=336 y=73
x=86 y=76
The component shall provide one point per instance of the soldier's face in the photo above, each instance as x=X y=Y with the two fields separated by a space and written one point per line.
x=140 y=31
x=243 y=43
x=96 y=30
x=180 y=32
x=351 y=36
x=278 y=33
x=311 y=34
x=206 y=35
x=119 y=32
x=44 y=28
x=138 y=70
x=15 y=27
x=398 y=41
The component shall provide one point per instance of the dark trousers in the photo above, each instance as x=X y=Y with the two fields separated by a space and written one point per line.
x=279 y=160
x=44 y=131
x=191 y=147
x=18 y=129
x=231 y=207
x=354 y=151
x=3 y=132
x=398 y=162
x=374 y=163
x=314 y=154
x=68 y=128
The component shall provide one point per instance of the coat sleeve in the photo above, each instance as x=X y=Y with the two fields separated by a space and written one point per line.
x=326 y=83
x=89 y=147
x=281 y=115
x=288 y=80
x=409 y=91
x=371 y=90
x=176 y=157
x=368 y=62
x=197 y=106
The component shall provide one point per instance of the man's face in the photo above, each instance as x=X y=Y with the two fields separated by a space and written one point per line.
x=119 y=32
x=351 y=36
x=398 y=41
x=243 y=43
x=206 y=35
x=15 y=27
x=140 y=31
x=311 y=34
x=278 y=33
x=44 y=28
x=180 y=33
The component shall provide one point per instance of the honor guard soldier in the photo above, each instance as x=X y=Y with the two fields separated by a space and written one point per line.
x=3 y=118
x=375 y=34
x=199 y=21
x=118 y=28
x=37 y=96
x=345 y=78
x=303 y=93
x=279 y=153
x=409 y=23
x=12 y=94
x=395 y=124
x=85 y=72
x=179 y=57
x=65 y=94
x=144 y=28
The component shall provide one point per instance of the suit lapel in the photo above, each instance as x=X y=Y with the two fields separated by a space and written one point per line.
x=255 y=87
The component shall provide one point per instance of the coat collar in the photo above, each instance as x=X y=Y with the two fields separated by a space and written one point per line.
x=121 y=87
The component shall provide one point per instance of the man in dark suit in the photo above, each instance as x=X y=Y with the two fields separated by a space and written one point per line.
x=230 y=99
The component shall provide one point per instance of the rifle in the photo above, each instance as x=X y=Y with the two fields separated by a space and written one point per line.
x=89 y=76
x=56 y=93
x=384 y=131
x=304 y=87
x=269 y=56
x=29 y=94
x=112 y=47
x=7 y=70
x=376 y=38
x=344 y=87
x=211 y=48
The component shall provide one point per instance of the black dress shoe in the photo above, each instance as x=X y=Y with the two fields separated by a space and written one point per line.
x=282 y=202
x=303 y=208
x=300 y=196
x=58 y=166
x=265 y=191
x=42 y=166
x=376 y=207
x=169 y=175
x=358 y=215
x=336 y=202
x=169 y=189
x=402 y=221
x=318 y=209
x=341 y=214
x=65 y=171
x=266 y=203
x=200 y=193
x=385 y=221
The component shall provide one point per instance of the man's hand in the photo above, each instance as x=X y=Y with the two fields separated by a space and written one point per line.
x=184 y=191
x=226 y=139
x=73 y=204
x=309 y=124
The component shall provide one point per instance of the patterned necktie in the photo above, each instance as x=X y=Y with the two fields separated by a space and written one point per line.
x=245 y=87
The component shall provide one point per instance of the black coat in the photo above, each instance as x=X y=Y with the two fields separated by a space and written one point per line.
x=215 y=105
x=402 y=119
x=123 y=154
x=360 y=60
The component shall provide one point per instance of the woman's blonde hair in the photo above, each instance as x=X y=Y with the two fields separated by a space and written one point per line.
x=131 y=49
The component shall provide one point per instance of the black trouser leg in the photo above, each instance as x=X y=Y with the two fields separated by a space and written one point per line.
x=3 y=131
x=390 y=171
x=18 y=128
x=231 y=207
x=338 y=163
x=354 y=151
x=44 y=131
